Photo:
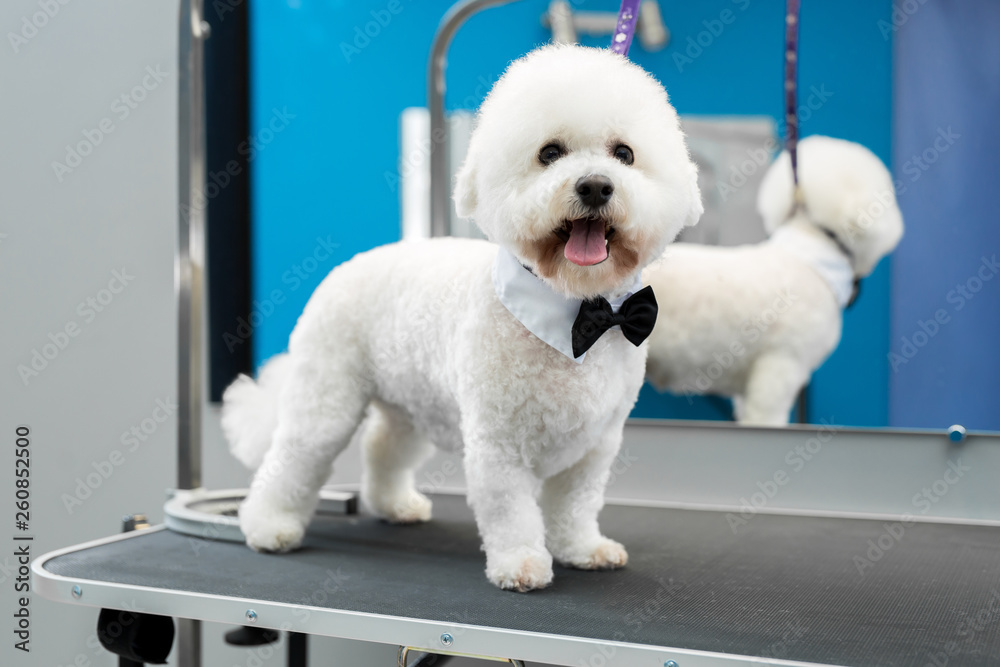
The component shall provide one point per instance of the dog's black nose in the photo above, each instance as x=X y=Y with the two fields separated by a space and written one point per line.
x=595 y=191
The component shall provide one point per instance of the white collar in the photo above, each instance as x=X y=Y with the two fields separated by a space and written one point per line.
x=544 y=312
x=821 y=254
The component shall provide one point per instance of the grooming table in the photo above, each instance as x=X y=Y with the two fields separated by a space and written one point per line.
x=779 y=590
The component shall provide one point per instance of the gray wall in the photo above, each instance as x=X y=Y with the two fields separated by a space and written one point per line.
x=63 y=235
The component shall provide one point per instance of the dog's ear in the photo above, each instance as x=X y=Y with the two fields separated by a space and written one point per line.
x=465 y=189
x=697 y=207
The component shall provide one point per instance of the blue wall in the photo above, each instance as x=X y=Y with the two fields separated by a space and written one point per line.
x=325 y=174
x=947 y=368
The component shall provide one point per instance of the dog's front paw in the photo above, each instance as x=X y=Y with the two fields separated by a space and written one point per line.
x=409 y=507
x=522 y=569
x=271 y=530
x=606 y=554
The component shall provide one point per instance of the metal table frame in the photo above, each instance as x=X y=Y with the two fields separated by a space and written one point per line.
x=506 y=634
x=493 y=643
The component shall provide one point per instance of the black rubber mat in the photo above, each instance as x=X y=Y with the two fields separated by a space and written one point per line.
x=831 y=591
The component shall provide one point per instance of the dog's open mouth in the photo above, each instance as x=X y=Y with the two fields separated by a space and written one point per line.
x=587 y=240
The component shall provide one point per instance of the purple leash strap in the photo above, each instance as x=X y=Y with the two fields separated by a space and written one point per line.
x=791 y=83
x=627 y=16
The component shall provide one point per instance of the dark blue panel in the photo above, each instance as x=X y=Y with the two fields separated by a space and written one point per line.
x=325 y=174
x=947 y=140
x=654 y=405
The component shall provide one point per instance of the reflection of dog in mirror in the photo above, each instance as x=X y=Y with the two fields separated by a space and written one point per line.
x=579 y=175
x=753 y=322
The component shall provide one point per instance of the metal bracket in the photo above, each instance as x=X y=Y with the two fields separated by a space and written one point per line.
x=212 y=515
x=405 y=650
x=567 y=24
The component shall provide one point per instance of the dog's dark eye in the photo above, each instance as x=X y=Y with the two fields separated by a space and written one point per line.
x=550 y=153
x=624 y=154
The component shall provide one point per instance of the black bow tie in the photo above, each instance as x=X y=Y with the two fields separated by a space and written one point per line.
x=636 y=317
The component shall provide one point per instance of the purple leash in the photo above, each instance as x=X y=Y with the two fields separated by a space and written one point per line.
x=627 y=16
x=791 y=84
x=622 y=40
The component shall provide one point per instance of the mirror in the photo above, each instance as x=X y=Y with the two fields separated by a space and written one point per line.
x=916 y=347
x=913 y=349
x=916 y=88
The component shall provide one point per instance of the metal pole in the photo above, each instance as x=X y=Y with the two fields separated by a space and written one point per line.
x=189 y=272
x=298 y=650
x=440 y=183
x=189 y=269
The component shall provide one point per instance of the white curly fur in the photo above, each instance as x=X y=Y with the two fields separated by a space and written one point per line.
x=413 y=334
x=250 y=428
x=753 y=322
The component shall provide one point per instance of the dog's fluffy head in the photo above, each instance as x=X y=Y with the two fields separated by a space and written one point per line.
x=578 y=166
x=846 y=189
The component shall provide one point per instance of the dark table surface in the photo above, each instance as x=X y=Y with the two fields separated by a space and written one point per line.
x=825 y=590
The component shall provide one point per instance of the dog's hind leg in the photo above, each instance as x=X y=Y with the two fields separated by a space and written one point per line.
x=319 y=409
x=571 y=502
x=392 y=451
x=775 y=380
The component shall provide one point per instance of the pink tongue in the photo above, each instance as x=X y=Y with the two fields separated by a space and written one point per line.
x=586 y=245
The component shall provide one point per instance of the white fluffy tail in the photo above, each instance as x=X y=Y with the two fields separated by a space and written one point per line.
x=250 y=411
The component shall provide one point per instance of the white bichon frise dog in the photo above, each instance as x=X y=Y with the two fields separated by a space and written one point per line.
x=578 y=173
x=753 y=322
